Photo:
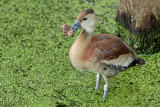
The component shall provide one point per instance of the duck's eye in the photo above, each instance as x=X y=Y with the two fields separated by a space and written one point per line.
x=84 y=18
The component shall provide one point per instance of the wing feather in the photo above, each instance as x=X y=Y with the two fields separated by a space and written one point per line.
x=110 y=50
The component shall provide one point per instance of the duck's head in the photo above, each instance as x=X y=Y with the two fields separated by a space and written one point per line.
x=86 y=19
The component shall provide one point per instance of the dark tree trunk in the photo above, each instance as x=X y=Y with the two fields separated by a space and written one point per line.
x=139 y=16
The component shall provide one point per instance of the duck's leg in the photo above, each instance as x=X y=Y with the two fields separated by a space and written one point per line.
x=106 y=86
x=98 y=80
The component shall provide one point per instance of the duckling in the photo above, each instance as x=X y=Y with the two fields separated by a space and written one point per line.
x=104 y=54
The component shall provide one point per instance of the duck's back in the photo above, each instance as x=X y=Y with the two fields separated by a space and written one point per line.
x=110 y=49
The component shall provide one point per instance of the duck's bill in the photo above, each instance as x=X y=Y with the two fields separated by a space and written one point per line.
x=76 y=26
x=67 y=30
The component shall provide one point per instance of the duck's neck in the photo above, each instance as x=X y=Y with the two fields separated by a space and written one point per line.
x=85 y=35
x=80 y=46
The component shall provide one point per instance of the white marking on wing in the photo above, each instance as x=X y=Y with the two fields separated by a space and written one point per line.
x=123 y=60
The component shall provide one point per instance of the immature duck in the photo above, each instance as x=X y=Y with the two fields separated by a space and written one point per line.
x=103 y=54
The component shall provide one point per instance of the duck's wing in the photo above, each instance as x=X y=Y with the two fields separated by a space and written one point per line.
x=110 y=50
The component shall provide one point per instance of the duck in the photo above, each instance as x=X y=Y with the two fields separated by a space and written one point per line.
x=104 y=54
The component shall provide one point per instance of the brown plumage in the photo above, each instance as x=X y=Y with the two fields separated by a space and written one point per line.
x=110 y=46
x=100 y=53
x=84 y=13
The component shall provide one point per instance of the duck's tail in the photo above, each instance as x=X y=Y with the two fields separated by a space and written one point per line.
x=140 y=61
